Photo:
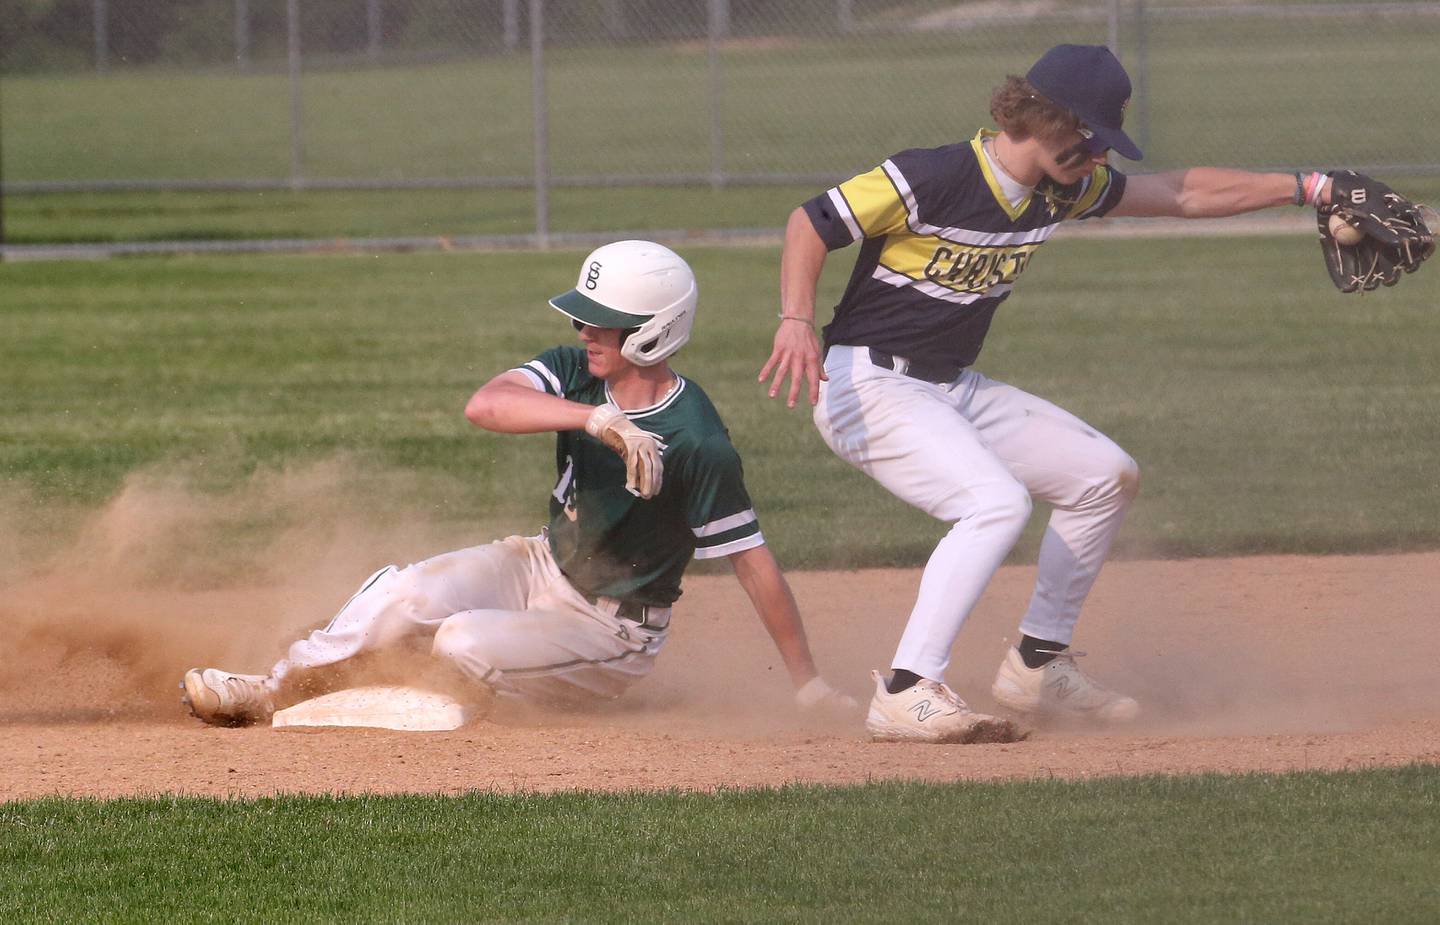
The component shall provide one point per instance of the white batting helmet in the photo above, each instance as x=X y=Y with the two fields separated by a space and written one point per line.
x=638 y=286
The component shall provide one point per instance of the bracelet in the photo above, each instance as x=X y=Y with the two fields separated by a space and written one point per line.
x=784 y=317
x=1308 y=188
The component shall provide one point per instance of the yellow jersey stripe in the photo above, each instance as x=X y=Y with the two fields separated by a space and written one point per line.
x=1096 y=186
x=874 y=202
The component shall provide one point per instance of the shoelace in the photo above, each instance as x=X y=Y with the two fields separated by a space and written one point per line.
x=944 y=692
x=1061 y=653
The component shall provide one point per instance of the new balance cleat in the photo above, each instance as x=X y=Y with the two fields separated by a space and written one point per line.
x=222 y=698
x=931 y=712
x=1059 y=689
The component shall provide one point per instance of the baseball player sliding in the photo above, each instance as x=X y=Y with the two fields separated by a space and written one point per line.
x=647 y=478
x=945 y=233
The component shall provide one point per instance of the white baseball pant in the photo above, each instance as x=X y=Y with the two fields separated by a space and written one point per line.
x=972 y=453
x=503 y=613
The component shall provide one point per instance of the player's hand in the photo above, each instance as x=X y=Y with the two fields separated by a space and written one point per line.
x=796 y=356
x=644 y=468
x=817 y=696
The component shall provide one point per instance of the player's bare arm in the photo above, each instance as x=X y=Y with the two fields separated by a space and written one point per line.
x=759 y=574
x=1207 y=192
x=510 y=404
x=796 y=352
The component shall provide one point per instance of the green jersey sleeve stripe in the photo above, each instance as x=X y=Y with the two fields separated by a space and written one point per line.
x=734 y=533
x=544 y=379
x=725 y=549
x=726 y=523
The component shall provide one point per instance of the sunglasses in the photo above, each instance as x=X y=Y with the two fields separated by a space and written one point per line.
x=1087 y=147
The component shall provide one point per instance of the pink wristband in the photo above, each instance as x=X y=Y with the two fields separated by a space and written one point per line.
x=1313 y=186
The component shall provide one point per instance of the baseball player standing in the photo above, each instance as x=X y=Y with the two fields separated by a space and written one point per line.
x=647 y=478
x=945 y=233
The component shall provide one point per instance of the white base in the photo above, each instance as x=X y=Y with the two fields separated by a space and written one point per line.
x=408 y=709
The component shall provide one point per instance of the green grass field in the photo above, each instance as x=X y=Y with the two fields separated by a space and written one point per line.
x=1268 y=413
x=1307 y=848
x=54 y=218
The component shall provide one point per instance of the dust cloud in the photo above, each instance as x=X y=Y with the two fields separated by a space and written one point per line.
x=104 y=609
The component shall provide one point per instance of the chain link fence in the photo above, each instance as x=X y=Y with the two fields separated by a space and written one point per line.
x=175 y=96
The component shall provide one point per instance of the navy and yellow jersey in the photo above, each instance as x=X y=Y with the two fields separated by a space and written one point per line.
x=942 y=247
x=609 y=542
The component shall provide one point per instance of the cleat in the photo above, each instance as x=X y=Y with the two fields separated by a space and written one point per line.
x=222 y=698
x=931 y=712
x=1059 y=689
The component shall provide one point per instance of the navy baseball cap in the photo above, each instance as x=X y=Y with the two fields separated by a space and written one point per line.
x=1090 y=82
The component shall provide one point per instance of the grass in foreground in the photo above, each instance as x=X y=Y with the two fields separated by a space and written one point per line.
x=1311 y=847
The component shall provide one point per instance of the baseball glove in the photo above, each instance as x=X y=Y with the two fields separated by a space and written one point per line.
x=641 y=450
x=1398 y=234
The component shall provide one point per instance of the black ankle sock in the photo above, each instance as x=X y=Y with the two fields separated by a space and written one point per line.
x=901 y=680
x=1030 y=651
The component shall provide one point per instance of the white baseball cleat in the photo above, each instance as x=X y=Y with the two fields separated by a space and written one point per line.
x=1059 y=689
x=222 y=698
x=931 y=712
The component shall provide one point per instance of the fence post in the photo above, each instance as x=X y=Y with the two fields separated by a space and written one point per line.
x=541 y=125
x=1142 y=75
x=719 y=26
x=1114 y=23
x=242 y=34
x=510 y=14
x=101 y=22
x=297 y=141
x=720 y=18
x=372 y=27
x=615 y=25
x=2 y=190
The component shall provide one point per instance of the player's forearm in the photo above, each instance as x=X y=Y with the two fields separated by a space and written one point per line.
x=510 y=408
x=1205 y=192
x=800 y=263
x=759 y=574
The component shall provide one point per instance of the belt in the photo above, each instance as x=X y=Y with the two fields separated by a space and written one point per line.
x=917 y=369
x=649 y=616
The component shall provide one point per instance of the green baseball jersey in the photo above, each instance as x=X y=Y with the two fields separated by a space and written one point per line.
x=609 y=542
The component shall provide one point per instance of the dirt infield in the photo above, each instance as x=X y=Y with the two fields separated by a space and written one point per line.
x=1264 y=663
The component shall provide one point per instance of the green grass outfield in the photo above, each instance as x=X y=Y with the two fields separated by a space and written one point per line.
x=64 y=218
x=790 y=104
x=1268 y=412
x=1229 y=92
x=1311 y=847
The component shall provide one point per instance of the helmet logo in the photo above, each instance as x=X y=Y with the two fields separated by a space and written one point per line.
x=592 y=274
